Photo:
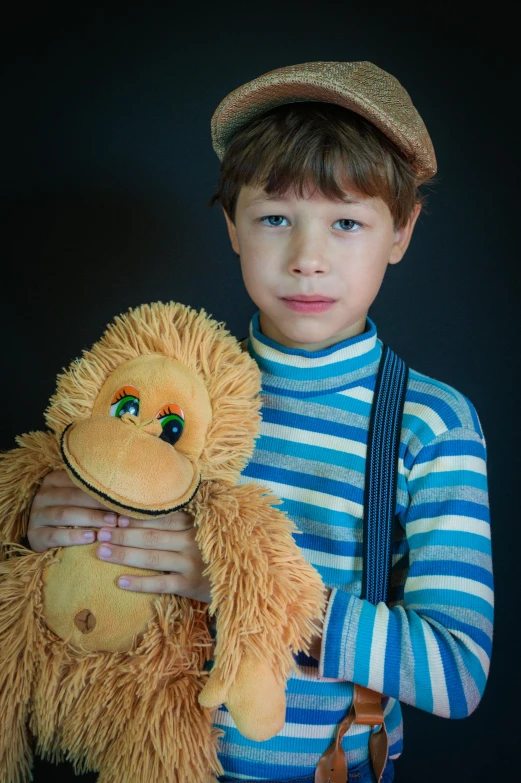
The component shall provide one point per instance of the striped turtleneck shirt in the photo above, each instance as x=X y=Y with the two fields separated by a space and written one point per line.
x=430 y=646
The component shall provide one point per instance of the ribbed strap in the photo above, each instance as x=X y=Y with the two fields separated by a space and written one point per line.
x=381 y=474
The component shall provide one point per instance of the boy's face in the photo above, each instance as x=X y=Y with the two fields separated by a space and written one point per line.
x=314 y=266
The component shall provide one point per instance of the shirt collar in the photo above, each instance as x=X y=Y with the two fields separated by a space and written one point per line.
x=304 y=373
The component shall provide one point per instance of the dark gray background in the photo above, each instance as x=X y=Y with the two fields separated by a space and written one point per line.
x=107 y=170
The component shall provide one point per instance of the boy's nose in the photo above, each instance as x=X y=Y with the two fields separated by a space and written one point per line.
x=307 y=254
x=306 y=266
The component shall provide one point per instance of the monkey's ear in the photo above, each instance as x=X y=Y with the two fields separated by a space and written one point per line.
x=21 y=473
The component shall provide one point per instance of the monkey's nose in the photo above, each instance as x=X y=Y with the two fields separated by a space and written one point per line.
x=151 y=426
x=129 y=418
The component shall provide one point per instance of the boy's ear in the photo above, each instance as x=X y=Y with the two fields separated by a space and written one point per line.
x=403 y=236
x=232 y=231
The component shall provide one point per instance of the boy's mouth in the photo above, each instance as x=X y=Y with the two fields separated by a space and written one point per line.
x=308 y=303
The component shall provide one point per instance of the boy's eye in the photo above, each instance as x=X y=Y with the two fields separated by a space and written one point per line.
x=172 y=420
x=348 y=225
x=126 y=400
x=276 y=218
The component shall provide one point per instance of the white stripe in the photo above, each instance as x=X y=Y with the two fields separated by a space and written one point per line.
x=301 y=730
x=314 y=731
x=378 y=645
x=303 y=362
x=478 y=651
x=341 y=562
x=302 y=495
x=455 y=463
x=449 y=522
x=313 y=438
x=444 y=582
x=427 y=415
x=310 y=674
x=359 y=393
x=440 y=696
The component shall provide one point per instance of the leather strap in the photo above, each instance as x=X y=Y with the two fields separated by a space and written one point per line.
x=366 y=709
x=332 y=766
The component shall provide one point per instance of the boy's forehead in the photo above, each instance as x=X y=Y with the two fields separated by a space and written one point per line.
x=250 y=195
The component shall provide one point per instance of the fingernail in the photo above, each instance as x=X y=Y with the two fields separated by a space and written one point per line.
x=122 y=582
x=123 y=522
x=104 y=535
x=110 y=518
x=104 y=551
x=88 y=536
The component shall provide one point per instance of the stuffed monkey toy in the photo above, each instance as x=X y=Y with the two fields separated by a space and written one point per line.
x=160 y=414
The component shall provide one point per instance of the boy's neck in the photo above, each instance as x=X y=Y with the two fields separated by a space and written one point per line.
x=270 y=330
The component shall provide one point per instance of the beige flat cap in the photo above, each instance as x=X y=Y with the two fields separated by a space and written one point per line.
x=360 y=86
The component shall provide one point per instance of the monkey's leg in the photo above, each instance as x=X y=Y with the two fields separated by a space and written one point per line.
x=20 y=580
x=168 y=739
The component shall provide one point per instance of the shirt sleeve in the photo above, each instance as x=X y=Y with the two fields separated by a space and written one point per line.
x=432 y=648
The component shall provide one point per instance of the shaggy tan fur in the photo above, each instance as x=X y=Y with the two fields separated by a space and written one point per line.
x=146 y=714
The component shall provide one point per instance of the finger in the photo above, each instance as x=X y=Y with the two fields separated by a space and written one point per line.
x=77 y=517
x=44 y=538
x=57 y=478
x=165 y=540
x=178 y=520
x=154 y=559
x=65 y=496
x=172 y=584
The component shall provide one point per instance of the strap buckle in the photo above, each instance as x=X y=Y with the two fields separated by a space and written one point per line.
x=366 y=709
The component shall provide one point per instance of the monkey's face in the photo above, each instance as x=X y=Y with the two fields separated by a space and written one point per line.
x=139 y=452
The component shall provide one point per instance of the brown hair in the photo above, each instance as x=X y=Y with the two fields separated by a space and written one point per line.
x=296 y=144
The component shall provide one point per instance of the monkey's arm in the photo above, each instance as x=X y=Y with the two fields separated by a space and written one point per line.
x=265 y=596
x=21 y=473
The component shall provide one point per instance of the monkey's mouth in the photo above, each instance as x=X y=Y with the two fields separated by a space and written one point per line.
x=129 y=471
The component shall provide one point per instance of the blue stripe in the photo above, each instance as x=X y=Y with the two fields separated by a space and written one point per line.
x=322 y=484
x=451 y=538
x=317 y=373
x=297 y=509
x=341 y=458
x=392 y=653
x=300 y=395
x=449 y=478
x=444 y=411
x=422 y=683
x=449 y=448
x=455 y=598
x=452 y=568
x=452 y=507
x=419 y=427
x=337 y=548
x=364 y=638
x=456 y=694
x=314 y=424
x=337 y=577
x=452 y=624
x=335 y=626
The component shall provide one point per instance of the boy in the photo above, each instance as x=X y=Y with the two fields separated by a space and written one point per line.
x=320 y=168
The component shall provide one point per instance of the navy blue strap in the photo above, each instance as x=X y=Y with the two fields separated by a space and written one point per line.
x=381 y=474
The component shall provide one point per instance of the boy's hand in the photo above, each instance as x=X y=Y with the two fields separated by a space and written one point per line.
x=58 y=505
x=162 y=544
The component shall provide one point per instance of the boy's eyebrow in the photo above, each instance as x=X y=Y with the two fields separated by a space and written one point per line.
x=347 y=199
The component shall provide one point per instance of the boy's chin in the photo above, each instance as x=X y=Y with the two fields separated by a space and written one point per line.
x=311 y=339
x=309 y=332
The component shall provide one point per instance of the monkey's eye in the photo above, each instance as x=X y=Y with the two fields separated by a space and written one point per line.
x=126 y=400
x=172 y=421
